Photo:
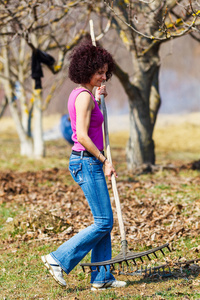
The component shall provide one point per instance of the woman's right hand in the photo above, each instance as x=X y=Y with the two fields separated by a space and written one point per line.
x=100 y=91
x=109 y=170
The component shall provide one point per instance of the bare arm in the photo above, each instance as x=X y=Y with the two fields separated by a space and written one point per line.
x=84 y=106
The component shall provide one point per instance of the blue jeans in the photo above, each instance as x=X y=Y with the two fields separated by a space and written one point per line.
x=88 y=173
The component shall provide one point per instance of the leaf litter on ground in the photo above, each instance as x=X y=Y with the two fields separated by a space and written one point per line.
x=157 y=208
x=153 y=212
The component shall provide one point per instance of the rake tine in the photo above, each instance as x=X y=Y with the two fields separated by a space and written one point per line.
x=162 y=252
x=119 y=268
x=141 y=259
x=139 y=271
x=90 y=269
x=98 y=269
x=131 y=268
x=83 y=269
x=149 y=258
x=154 y=253
x=169 y=248
x=128 y=267
x=105 y=268
x=134 y=262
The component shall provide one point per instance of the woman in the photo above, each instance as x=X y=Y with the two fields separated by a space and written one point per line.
x=89 y=66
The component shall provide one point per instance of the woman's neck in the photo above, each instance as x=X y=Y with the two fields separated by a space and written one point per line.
x=87 y=86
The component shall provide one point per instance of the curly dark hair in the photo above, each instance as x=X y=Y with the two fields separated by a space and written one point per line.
x=86 y=60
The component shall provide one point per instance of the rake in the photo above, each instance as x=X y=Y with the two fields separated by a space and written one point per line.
x=125 y=259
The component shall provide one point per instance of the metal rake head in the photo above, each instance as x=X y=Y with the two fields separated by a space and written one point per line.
x=126 y=264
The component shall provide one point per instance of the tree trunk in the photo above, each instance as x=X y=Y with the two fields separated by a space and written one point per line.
x=140 y=148
x=142 y=90
x=22 y=96
x=26 y=145
x=155 y=100
x=143 y=112
x=39 y=150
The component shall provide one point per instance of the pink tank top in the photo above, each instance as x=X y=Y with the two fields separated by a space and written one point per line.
x=95 y=128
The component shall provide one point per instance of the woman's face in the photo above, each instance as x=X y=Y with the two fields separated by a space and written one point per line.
x=99 y=76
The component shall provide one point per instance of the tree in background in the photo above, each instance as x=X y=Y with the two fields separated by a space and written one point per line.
x=142 y=26
x=25 y=28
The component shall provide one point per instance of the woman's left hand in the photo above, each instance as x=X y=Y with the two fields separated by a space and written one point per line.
x=100 y=91
x=109 y=170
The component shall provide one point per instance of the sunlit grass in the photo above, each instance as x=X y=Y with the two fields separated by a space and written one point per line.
x=180 y=143
x=23 y=275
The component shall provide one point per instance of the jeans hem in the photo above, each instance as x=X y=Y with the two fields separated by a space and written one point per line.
x=63 y=268
x=102 y=282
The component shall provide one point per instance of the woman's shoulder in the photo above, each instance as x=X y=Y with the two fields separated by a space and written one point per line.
x=83 y=92
x=84 y=98
x=80 y=90
x=81 y=97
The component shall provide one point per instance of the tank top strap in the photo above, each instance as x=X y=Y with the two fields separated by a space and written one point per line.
x=80 y=90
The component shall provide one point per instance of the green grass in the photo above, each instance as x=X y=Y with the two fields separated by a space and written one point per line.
x=57 y=155
x=24 y=277
x=22 y=274
x=8 y=212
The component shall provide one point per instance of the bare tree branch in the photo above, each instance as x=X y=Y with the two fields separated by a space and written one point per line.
x=166 y=36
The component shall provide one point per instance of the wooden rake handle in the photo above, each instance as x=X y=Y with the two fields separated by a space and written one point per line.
x=113 y=180
x=107 y=144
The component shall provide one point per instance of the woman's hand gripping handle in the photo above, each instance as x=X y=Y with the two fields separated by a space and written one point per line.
x=109 y=169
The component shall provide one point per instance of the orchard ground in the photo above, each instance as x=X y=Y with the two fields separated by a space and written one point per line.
x=41 y=207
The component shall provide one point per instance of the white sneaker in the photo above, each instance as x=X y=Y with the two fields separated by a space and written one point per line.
x=110 y=284
x=55 y=270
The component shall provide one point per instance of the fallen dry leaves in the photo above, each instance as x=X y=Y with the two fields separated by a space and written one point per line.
x=52 y=209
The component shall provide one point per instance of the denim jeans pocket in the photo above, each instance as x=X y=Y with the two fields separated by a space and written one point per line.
x=76 y=171
x=95 y=161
